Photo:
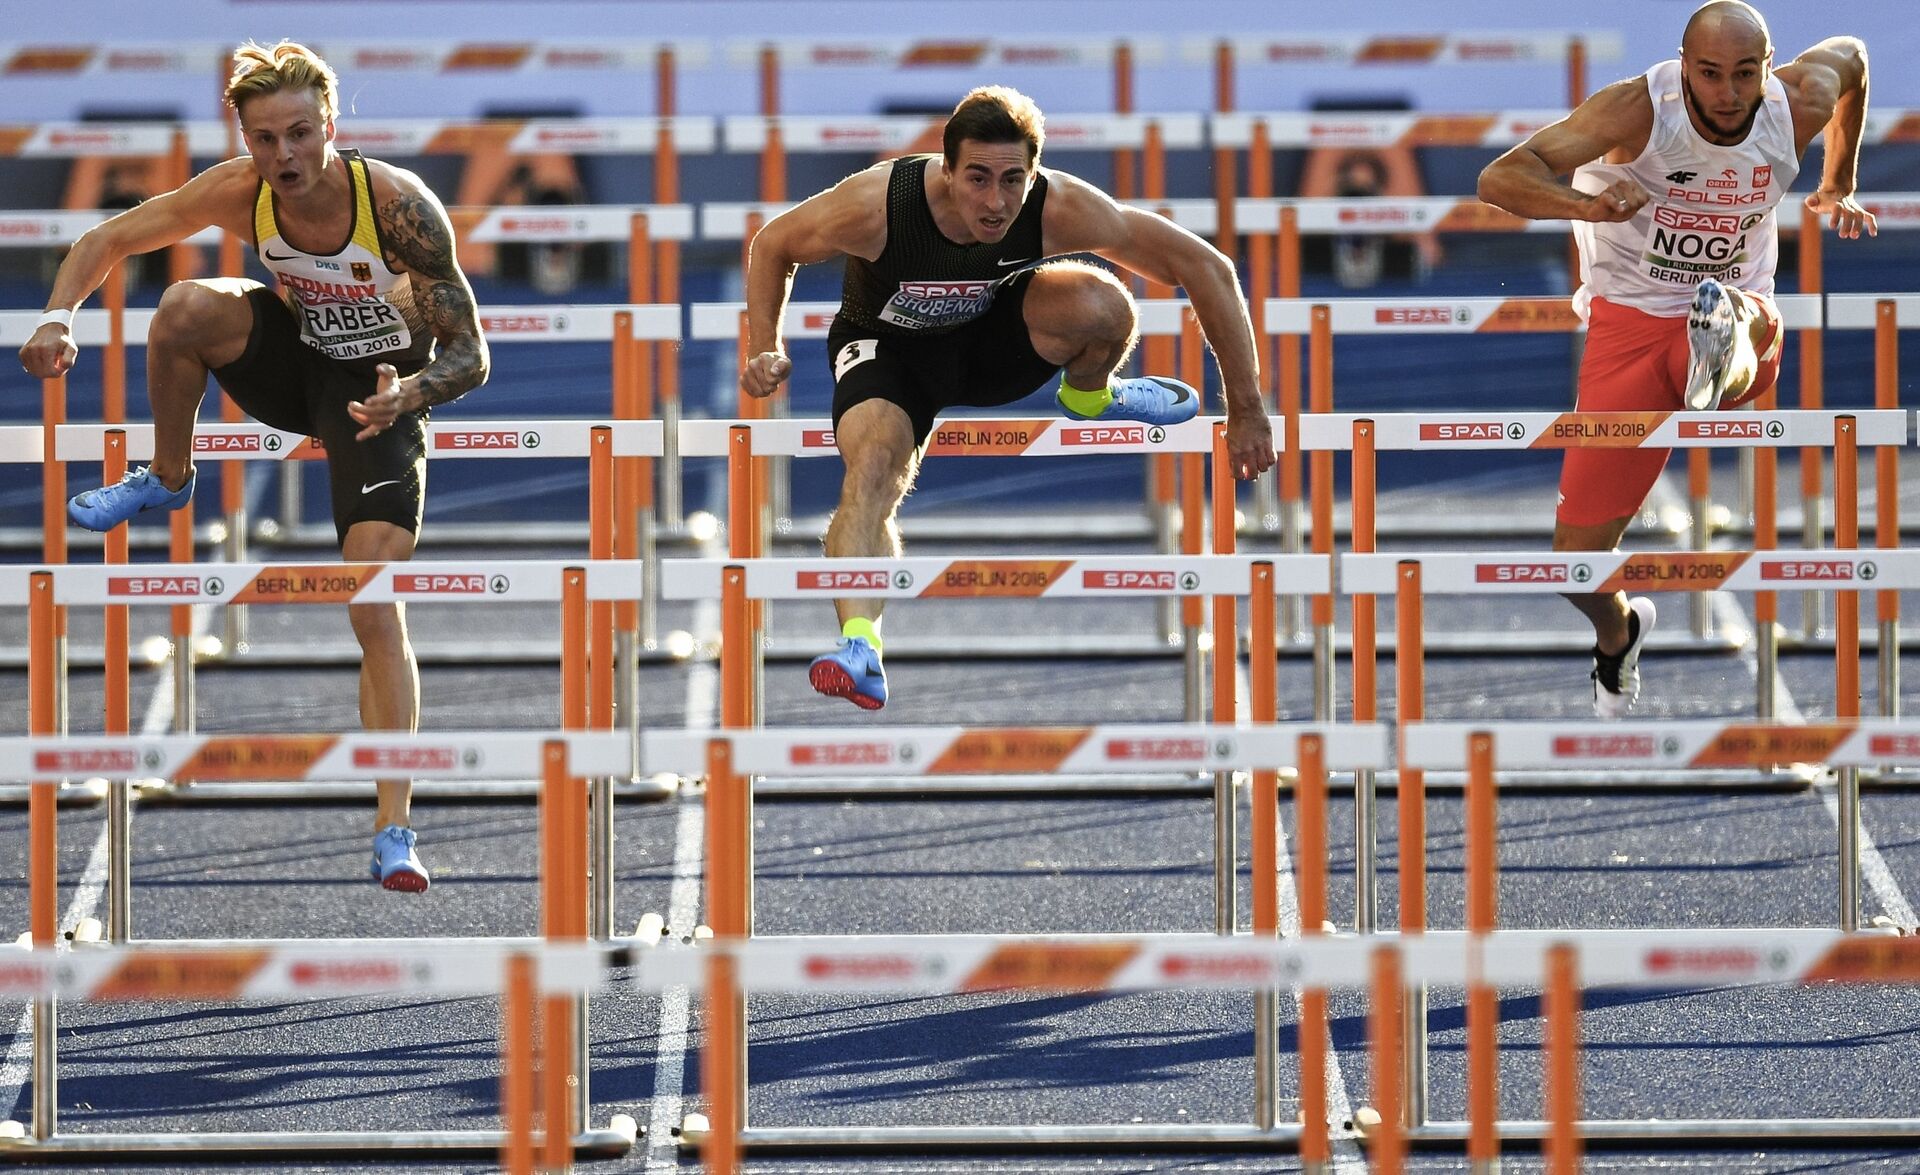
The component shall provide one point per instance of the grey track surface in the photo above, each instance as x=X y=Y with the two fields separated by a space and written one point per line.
x=1024 y=863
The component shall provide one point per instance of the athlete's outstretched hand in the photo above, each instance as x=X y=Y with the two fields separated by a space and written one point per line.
x=1621 y=200
x=378 y=411
x=765 y=373
x=1843 y=214
x=1249 y=444
x=49 y=352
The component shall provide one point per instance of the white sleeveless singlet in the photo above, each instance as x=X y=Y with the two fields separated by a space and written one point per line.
x=1712 y=211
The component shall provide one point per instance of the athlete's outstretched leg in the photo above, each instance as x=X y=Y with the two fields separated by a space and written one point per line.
x=389 y=699
x=877 y=446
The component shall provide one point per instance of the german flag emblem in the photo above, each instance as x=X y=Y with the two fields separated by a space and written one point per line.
x=362 y=271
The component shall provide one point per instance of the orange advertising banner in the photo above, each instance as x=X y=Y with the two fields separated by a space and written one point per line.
x=1050 y=966
x=1458 y=130
x=204 y=975
x=1871 y=959
x=996 y=577
x=243 y=759
x=323 y=583
x=1678 y=571
x=1762 y=746
x=1527 y=315
x=1010 y=751
x=1599 y=430
x=985 y=438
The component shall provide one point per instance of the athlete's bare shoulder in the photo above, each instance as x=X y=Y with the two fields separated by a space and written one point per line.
x=1621 y=116
x=221 y=195
x=850 y=217
x=1816 y=80
x=413 y=223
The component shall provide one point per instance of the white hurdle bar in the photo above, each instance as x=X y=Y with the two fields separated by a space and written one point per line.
x=1558 y=572
x=1478 y=431
x=1847 y=746
x=713 y=321
x=226 y=970
x=620 y=326
x=591 y=693
x=1192 y=577
x=1480 y=748
x=730 y=757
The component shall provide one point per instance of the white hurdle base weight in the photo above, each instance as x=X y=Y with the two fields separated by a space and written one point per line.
x=1685 y=779
x=1227 y=1135
x=1003 y=786
x=357 y=791
x=614 y=1141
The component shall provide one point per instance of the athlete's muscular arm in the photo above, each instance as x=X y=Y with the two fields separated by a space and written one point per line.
x=849 y=218
x=419 y=236
x=221 y=195
x=1080 y=218
x=1827 y=89
x=1526 y=180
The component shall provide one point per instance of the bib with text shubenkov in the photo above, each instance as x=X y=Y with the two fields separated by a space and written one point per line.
x=350 y=303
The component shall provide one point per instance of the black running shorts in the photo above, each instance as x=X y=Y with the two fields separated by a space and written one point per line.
x=983 y=363
x=285 y=384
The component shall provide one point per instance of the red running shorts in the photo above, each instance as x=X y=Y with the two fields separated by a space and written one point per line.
x=1635 y=362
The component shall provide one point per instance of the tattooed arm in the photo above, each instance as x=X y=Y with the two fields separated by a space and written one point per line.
x=419 y=239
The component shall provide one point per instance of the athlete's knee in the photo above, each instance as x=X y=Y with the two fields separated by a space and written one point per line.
x=1075 y=297
x=877 y=474
x=190 y=314
x=380 y=628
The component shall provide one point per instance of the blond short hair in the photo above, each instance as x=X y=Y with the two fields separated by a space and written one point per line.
x=262 y=69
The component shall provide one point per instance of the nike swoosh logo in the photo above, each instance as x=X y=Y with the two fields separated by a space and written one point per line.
x=1021 y=261
x=271 y=257
x=392 y=481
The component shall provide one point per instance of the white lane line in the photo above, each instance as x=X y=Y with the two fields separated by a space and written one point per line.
x=1873 y=867
x=15 y=1069
x=1348 y=1157
x=683 y=911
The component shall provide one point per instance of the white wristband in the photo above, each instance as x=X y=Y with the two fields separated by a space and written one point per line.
x=63 y=317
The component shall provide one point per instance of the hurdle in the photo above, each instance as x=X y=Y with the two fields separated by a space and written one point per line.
x=730 y=758
x=1478 y=748
x=1882 y=314
x=318 y=970
x=621 y=495
x=1365 y=435
x=1362 y=49
x=1160 y=320
x=772 y=58
x=999 y=437
x=1151 y=134
x=590 y=689
x=554 y=758
x=626 y=614
x=1563 y=963
x=1222 y=576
